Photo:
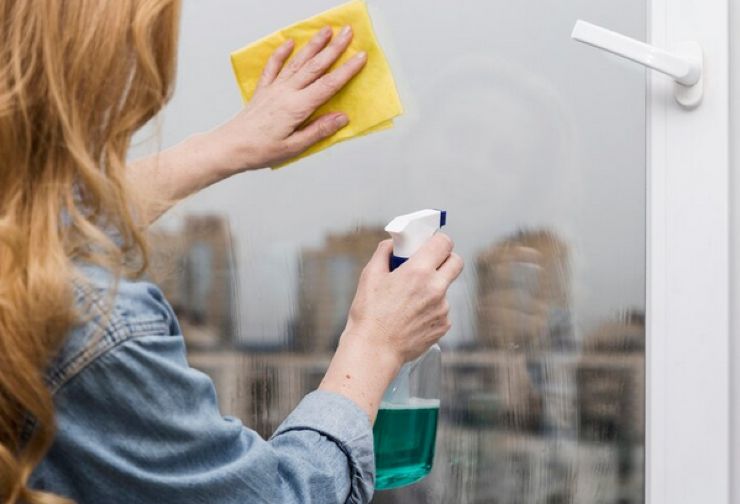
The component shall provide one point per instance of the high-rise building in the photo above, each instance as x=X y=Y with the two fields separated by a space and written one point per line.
x=523 y=293
x=523 y=312
x=327 y=283
x=196 y=269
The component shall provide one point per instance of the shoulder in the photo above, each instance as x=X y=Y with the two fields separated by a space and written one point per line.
x=111 y=312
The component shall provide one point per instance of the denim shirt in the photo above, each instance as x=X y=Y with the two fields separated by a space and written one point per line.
x=136 y=424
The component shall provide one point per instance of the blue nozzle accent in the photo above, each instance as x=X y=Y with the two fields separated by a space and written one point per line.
x=442 y=217
x=396 y=261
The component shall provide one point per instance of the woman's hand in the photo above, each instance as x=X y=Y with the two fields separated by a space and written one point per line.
x=271 y=128
x=395 y=317
x=405 y=312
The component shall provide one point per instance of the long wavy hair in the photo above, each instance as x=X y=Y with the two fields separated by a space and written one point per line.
x=77 y=79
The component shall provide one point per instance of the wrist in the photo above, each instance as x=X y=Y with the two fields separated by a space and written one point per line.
x=193 y=164
x=361 y=371
x=232 y=153
x=360 y=342
x=216 y=154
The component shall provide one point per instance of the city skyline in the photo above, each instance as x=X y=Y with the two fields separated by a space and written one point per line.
x=465 y=315
x=525 y=386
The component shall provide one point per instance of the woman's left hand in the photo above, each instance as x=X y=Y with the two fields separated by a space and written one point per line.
x=271 y=128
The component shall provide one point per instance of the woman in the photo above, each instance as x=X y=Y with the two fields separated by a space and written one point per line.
x=97 y=403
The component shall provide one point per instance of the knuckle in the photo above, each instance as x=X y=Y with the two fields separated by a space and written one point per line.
x=293 y=65
x=328 y=84
x=315 y=67
x=278 y=53
x=457 y=263
x=446 y=241
x=354 y=313
x=276 y=57
x=293 y=147
x=461 y=263
x=301 y=113
x=298 y=108
x=316 y=41
x=325 y=129
x=415 y=271
x=438 y=289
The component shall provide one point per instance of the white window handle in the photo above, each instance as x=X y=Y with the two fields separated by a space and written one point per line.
x=685 y=64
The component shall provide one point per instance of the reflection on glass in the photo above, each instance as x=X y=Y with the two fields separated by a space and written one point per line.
x=529 y=413
x=327 y=281
x=195 y=267
x=536 y=147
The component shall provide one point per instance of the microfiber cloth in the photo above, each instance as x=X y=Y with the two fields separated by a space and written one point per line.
x=370 y=100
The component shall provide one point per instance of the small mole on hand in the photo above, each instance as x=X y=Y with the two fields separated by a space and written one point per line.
x=347 y=376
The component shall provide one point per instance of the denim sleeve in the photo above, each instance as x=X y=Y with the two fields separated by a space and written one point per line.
x=138 y=425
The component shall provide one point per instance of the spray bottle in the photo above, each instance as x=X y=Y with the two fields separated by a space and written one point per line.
x=405 y=430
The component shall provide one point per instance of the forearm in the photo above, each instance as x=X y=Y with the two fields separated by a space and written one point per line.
x=163 y=179
x=361 y=372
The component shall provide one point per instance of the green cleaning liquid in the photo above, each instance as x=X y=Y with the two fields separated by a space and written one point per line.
x=404 y=442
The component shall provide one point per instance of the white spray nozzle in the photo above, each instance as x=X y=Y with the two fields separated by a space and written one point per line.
x=410 y=231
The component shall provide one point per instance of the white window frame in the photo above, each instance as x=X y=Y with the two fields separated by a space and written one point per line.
x=688 y=267
x=734 y=25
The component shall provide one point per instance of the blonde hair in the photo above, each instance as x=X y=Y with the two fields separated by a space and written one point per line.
x=77 y=79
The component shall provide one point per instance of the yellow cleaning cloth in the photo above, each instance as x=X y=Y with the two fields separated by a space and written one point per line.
x=370 y=100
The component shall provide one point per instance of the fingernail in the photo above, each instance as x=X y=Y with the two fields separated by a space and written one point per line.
x=361 y=55
x=345 y=31
x=326 y=30
x=341 y=120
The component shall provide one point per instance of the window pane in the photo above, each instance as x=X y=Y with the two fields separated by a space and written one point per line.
x=535 y=145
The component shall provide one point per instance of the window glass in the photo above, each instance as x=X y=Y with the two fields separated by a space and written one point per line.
x=535 y=145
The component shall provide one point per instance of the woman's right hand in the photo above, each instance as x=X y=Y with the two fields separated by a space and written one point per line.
x=395 y=317
x=405 y=311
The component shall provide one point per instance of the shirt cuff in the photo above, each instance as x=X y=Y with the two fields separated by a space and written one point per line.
x=342 y=421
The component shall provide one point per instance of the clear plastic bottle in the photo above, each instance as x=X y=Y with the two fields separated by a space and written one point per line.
x=405 y=430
